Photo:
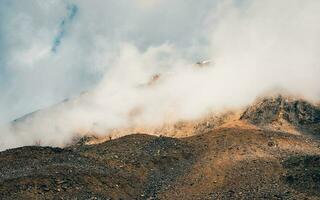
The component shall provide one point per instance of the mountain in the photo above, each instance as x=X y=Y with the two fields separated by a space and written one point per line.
x=285 y=113
x=271 y=150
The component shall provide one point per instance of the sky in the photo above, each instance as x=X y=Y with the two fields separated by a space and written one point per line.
x=55 y=50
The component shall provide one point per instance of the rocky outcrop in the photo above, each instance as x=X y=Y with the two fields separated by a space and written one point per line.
x=294 y=111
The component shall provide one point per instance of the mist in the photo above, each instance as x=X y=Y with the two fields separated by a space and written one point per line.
x=59 y=49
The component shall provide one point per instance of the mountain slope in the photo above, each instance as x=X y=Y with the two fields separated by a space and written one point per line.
x=233 y=159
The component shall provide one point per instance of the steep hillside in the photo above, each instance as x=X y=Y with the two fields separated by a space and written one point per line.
x=255 y=157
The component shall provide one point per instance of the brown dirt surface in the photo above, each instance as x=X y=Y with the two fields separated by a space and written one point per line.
x=235 y=159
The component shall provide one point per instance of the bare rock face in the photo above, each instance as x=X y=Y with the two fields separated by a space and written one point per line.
x=295 y=111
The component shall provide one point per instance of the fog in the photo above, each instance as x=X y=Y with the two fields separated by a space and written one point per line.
x=55 y=50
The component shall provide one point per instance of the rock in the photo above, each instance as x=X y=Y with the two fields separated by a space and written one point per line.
x=64 y=186
x=271 y=144
x=294 y=111
x=44 y=188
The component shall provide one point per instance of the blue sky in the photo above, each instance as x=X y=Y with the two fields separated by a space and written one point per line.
x=66 y=21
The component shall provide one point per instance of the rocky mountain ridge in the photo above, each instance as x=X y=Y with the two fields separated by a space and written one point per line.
x=269 y=151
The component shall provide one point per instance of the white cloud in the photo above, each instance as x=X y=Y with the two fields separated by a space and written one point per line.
x=115 y=47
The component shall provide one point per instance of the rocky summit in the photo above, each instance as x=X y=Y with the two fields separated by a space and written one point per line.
x=269 y=151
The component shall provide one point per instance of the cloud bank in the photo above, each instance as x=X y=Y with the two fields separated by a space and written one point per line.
x=54 y=50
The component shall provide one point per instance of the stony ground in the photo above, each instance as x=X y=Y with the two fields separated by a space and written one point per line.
x=235 y=160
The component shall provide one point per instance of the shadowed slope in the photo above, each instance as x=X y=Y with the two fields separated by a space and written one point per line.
x=224 y=163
